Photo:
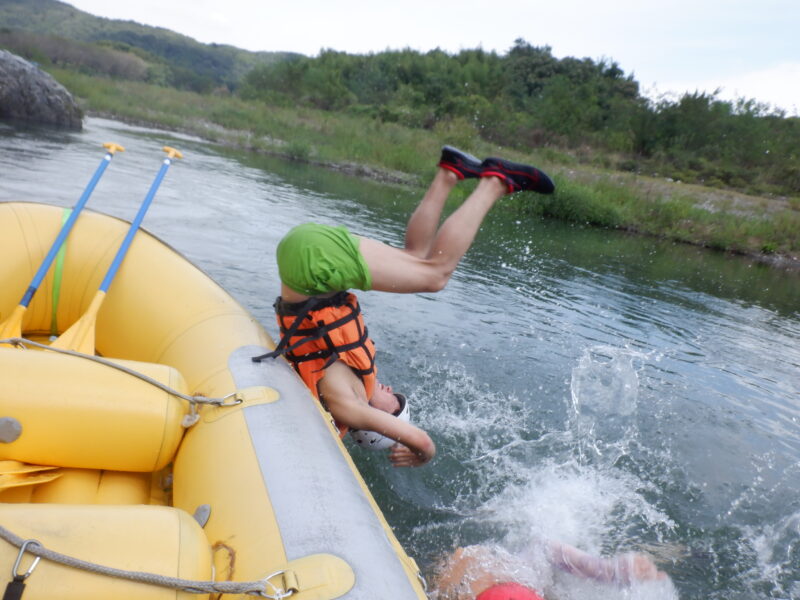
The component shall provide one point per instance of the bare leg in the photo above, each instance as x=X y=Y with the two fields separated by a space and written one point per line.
x=404 y=271
x=424 y=221
x=420 y=232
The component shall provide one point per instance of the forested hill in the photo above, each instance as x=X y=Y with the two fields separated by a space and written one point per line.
x=62 y=34
x=527 y=98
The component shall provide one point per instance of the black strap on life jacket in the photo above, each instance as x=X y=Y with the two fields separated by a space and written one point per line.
x=320 y=330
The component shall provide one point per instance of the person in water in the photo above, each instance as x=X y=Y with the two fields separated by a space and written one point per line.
x=484 y=572
x=322 y=329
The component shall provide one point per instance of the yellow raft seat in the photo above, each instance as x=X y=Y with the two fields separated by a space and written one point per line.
x=152 y=539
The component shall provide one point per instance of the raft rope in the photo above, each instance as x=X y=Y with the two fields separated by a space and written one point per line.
x=262 y=587
x=231 y=399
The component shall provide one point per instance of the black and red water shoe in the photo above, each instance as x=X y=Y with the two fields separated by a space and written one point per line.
x=517 y=176
x=462 y=164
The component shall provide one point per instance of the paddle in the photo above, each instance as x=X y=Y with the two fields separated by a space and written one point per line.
x=81 y=335
x=14 y=473
x=12 y=326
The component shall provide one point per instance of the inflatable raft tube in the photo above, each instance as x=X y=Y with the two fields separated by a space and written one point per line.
x=235 y=475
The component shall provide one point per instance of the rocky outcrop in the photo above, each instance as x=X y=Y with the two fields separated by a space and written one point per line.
x=29 y=94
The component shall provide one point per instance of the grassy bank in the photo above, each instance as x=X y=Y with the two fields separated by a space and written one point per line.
x=765 y=228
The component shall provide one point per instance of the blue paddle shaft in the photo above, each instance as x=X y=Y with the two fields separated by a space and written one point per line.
x=137 y=221
x=62 y=235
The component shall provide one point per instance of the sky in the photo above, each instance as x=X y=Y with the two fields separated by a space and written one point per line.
x=745 y=49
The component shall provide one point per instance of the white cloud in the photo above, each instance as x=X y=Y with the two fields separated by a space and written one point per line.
x=777 y=85
x=748 y=49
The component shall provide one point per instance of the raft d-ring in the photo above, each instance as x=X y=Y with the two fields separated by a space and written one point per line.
x=422 y=581
x=237 y=399
x=15 y=574
x=279 y=592
x=192 y=417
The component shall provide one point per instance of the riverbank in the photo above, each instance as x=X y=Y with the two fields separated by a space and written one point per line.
x=762 y=228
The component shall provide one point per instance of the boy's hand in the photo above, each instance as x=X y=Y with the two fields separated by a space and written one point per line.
x=402 y=456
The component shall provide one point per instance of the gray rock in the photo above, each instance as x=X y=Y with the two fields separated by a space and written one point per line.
x=29 y=94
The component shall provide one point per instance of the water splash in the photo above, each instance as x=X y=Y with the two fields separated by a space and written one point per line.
x=778 y=553
x=604 y=392
x=598 y=511
x=504 y=480
x=605 y=381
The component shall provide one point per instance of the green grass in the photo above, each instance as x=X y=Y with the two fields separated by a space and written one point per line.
x=679 y=217
x=589 y=195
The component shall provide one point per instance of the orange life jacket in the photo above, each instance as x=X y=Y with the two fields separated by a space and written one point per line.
x=317 y=332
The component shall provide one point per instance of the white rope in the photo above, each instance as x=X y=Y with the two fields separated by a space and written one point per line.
x=229 y=400
x=253 y=588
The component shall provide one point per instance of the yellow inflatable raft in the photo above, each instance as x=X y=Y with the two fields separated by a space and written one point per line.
x=169 y=465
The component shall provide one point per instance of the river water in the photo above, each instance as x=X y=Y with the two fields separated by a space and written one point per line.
x=610 y=391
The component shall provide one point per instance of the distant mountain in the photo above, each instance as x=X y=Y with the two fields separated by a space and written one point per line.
x=192 y=63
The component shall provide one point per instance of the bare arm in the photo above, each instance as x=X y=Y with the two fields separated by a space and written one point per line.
x=347 y=402
x=622 y=570
x=414 y=447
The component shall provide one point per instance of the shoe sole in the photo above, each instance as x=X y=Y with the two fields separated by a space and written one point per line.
x=460 y=163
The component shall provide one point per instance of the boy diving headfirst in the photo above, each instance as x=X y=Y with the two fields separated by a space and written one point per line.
x=323 y=333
